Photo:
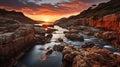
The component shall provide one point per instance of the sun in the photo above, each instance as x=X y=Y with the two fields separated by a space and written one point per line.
x=46 y=20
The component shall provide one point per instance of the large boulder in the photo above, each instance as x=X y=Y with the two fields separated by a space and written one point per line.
x=73 y=36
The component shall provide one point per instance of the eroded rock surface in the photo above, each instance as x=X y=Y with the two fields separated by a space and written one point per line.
x=88 y=55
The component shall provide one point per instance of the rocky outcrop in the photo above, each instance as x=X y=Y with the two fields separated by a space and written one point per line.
x=105 y=16
x=73 y=36
x=88 y=55
x=43 y=34
x=110 y=25
x=14 y=44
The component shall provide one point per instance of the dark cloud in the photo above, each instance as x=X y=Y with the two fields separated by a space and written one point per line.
x=95 y=1
x=48 y=8
x=12 y=3
x=33 y=4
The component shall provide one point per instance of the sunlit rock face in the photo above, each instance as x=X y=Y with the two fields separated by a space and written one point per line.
x=105 y=16
x=109 y=23
x=92 y=56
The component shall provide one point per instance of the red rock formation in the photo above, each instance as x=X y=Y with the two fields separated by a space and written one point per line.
x=89 y=57
x=106 y=23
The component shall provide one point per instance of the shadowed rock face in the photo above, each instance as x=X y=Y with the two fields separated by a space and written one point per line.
x=14 y=44
x=17 y=16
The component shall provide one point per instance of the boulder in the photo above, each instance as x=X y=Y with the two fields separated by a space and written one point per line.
x=60 y=39
x=97 y=34
x=59 y=47
x=73 y=36
x=109 y=35
x=89 y=44
x=49 y=52
x=73 y=31
x=87 y=32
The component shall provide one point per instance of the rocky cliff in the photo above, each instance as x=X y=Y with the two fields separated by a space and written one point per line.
x=105 y=16
x=15 y=16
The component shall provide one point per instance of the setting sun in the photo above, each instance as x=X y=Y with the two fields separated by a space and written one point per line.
x=46 y=20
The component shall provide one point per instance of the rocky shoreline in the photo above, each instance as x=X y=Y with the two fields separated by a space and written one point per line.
x=87 y=55
x=110 y=36
x=107 y=20
x=14 y=44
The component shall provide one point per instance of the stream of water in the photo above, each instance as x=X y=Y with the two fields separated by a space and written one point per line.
x=33 y=58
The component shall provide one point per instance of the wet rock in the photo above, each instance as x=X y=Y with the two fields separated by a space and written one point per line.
x=49 y=36
x=49 y=52
x=60 y=39
x=48 y=47
x=42 y=48
x=98 y=34
x=50 y=30
x=58 y=48
x=74 y=36
x=73 y=31
x=89 y=57
x=82 y=27
x=87 y=33
x=89 y=44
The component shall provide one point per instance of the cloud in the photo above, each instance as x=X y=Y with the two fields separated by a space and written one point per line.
x=56 y=8
x=95 y=1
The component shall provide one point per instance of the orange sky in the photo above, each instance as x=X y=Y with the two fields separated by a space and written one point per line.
x=47 y=10
x=48 y=18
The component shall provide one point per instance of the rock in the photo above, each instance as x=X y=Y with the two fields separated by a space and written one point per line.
x=60 y=39
x=89 y=56
x=73 y=31
x=97 y=34
x=49 y=52
x=49 y=36
x=50 y=30
x=87 y=33
x=74 y=36
x=66 y=32
x=58 y=48
x=89 y=44
x=108 y=35
x=42 y=48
